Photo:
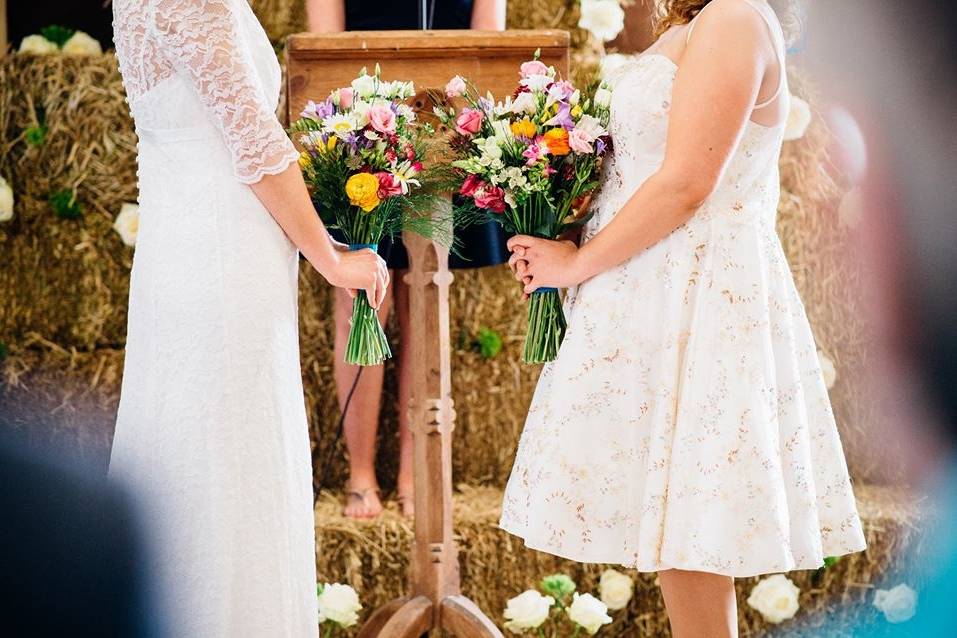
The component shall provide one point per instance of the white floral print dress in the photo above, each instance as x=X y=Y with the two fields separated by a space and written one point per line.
x=685 y=423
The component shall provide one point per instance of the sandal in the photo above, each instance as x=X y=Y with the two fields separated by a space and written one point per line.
x=371 y=508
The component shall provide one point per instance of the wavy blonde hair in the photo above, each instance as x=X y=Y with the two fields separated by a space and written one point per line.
x=669 y=13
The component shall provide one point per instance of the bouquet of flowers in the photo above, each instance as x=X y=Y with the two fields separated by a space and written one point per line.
x=362 y=158
x=529 y=163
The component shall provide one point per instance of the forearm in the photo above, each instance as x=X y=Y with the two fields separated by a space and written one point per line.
x=662 y=204
x=285 y=197
x=326 y=16
x=488 y=15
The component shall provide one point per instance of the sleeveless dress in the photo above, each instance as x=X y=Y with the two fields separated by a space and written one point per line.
x=685 y=423
x=477 y=245
x=211 y=430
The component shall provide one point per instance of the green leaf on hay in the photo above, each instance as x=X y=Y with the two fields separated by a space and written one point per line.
x=488 y=342
x=57 y=34
x=36 y=135
x=830 y=561
x=65 y=204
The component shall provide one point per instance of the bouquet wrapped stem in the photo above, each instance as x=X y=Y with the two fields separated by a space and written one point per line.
x=367 y=344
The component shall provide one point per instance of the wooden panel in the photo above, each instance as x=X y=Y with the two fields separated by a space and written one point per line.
x=319 y=63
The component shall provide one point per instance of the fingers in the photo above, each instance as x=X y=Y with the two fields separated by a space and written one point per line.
x=523 y=241
x=352 y=292
x=383 y=284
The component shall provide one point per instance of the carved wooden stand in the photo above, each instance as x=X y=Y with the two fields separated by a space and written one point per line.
x=317 y=64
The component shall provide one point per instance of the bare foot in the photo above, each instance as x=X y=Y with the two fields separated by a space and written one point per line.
x=364 y=503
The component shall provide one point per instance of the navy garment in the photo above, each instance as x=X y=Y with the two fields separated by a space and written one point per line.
x=479 y=245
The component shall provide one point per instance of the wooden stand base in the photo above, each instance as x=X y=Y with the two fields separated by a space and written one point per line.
x=413 y=617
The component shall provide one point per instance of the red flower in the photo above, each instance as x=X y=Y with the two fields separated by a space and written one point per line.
x=389 y=186
x=472 y=183
x=491 y=198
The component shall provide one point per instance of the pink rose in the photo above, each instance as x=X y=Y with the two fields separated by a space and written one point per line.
x=471 y=184
x=469 y=121
x=491 y=198
x=382 y=118
x=389 y=186
x=346 y=97
x=580 y=141
x=534 y=67
x=455 y=87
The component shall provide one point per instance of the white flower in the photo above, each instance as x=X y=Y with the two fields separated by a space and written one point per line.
x=365 y=86
x=6 y=201
x=527 y=611
x=407 y=112
x=603 y=18
x=341 y=124
x=491 y=152
x=575 y=97
x=455 y=87
x=898 y=604
x=589 y=612
x=127 y=223
x=775 y=598
x=536 y=82
x=37 y=45
x=340 y=604
x=360 y=112
x=524 y=103
x=799 y=118
x=615 y=589
x=828 y=369
x=603 y=97
x=81 y=43
x=851 y=209
x=503 y=131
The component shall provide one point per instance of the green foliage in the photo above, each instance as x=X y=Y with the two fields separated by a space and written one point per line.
x=57 y=34
x=488 y=342
x=36 y=135
x=558 y=586
x=65 y=204
x=830 y=561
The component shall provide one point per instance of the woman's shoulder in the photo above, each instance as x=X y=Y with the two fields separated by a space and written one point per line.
x=733 y=17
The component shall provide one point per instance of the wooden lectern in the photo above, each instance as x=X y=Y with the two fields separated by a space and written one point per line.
x=317 y=64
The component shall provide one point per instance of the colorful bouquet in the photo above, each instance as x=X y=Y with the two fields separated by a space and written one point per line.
x=362 y=158
x=529 y=163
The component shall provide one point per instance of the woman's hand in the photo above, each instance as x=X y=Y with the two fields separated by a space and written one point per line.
x=359 y=270
x=544 y=263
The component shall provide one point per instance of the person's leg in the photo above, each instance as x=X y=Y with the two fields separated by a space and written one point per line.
x=700 y=605
x=362 y=420
x=405 y=483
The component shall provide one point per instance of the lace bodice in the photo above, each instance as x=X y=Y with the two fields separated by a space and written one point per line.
x=195 y=63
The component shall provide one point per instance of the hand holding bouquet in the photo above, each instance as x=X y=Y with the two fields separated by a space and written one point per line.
x=529 y=163
x=363 y=151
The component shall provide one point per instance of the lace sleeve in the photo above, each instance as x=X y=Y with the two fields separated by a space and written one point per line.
x=201 y=39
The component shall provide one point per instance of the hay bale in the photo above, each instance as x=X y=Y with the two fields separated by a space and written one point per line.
x=65 y=279
x=373 y=558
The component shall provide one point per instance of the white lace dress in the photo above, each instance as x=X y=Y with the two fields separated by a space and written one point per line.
x=685 y=423
x=212 y=427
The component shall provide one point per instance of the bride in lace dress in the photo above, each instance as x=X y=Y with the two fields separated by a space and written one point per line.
x=685 y=428
x=211 y=430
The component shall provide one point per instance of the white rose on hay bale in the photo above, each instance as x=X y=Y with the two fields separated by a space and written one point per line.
x=340 y=604
x=775 y=598
x=127 y=223
x=528 y=610
x=6 y=201
x=81 y=43
x=37 y=45
x=898 y=604
x=604 y=19
x=799 y=118
x=615 y=589
x=828 y=369
x=589 y=613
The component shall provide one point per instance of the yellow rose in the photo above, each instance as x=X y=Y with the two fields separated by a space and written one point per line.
x=363 y=191
x=524 y=128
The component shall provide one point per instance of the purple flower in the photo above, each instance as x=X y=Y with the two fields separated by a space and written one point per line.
x=600 y=146
x=563 y=118
x=318 y=112
x=485 y=104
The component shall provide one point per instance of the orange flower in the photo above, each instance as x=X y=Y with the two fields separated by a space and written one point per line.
x=557 y=141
